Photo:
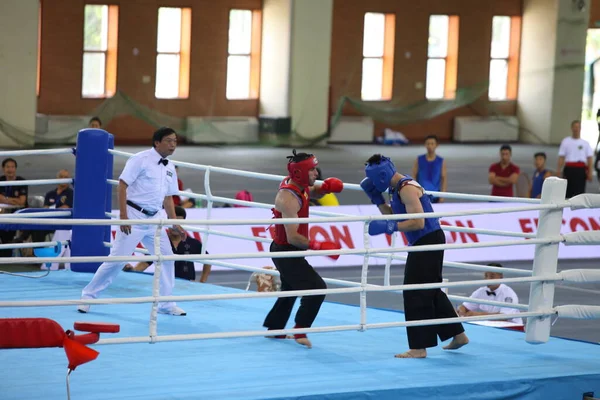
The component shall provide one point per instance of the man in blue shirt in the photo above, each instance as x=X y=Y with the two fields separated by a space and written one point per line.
x=408 y=197
x=539 y=175
x=430 y=169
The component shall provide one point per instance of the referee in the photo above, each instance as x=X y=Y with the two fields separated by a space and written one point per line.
x=575 y=160
x=146 y=185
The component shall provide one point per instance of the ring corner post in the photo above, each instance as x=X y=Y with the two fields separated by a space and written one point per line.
x=545 y=261
x=90 y=196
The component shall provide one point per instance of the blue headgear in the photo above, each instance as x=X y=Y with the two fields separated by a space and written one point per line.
x=381 y=173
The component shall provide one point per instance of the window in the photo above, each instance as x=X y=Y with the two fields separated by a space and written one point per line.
x=442 y=57
x=100 y=51
x=504 y=57
x=378 y=56
x=243 y=59
x=173 y=53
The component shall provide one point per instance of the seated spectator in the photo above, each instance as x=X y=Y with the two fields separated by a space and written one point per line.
x=501 y=292
x=61 y=197
x=540 y=174
x=597 y=164
x=95 y=123
x=265 y=282
x=504 y=174
x=189 y=245
x=429 y=169
x=243 y=195
x=11 y=199
x=183 y=201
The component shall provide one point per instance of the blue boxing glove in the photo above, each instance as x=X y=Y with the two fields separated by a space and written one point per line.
x=369 y=188
x=382 y=226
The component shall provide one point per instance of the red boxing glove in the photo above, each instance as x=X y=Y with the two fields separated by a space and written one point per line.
x=316 y=245
x=332 y=185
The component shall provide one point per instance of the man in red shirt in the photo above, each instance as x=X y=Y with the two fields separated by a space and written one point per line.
x=503 y=175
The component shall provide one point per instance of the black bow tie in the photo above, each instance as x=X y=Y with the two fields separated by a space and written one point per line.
x=163 y=161
x=490 y=292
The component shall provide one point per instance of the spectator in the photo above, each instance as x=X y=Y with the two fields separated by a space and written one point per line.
x=95 y=123
x=540 y=174
x=11 y=198
x=575 y=161
x=265 y=282
x=61 y=197
x=501 y=292
x=597 y=164
x=504 y=174
x=243 y=195
x=188 y=245
x=430 y=169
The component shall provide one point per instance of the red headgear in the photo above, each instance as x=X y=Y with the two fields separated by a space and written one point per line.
x=299 y=170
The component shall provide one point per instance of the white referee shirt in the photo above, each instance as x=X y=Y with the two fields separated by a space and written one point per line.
x=575 y=150
x=503 y=294
x=148 y=180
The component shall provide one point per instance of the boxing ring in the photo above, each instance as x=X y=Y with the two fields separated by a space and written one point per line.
x=353 y=347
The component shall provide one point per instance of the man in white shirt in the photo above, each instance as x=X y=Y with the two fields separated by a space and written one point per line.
x=499 y=292
x=146 y=185
x=576 y=156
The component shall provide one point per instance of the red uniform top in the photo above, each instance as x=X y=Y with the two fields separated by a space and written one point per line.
x=280 y=236
x=505 y=191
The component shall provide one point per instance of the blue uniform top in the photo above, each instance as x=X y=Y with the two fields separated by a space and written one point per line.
x=431 y=224
x=537 y=183
x=430 y=172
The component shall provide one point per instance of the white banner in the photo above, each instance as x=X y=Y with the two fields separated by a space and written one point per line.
x=350 y=235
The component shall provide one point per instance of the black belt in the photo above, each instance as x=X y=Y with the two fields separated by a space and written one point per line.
x=140 y=209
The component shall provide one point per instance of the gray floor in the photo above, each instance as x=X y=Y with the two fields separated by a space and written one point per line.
x=467 y=173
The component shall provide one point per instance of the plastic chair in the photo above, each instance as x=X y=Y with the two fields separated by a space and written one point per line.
x=22 y=333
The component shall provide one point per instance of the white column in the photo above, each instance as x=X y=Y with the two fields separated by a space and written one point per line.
x=551 y=69
x=275 y=58
x=545 y=261
x=310 y=66
x=295 y=67
x=18 y=63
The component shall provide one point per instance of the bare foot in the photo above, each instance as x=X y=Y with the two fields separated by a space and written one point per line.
x=413 y=353
x=304 y=342
x=457 y=342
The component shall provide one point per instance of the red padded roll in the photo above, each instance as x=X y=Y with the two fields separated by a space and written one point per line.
x=96 y=327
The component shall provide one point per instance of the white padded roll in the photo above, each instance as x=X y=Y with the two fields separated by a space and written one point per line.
x=582 y=238
x=586 y=200
x=578 y=312
x=581 y=275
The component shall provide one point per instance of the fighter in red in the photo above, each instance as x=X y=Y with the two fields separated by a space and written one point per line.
x=292 y=201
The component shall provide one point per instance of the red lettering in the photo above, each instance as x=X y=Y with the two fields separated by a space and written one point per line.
x=463 y=235
x=594 y=224
x=525 y=224
x=259 y=231
x=345 y=237
x=575 y=222
x=317 y=230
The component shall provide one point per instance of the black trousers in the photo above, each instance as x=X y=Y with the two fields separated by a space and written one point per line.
x=576 y=178
x=295 y=274
x=426 y=267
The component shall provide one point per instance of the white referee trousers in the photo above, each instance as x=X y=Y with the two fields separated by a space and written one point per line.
x=124 y=245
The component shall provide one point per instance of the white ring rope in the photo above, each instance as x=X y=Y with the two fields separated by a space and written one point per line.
x=31 y=217
x=36 y=182
x=349 y=186
x=15 y=153
x=548 y=237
